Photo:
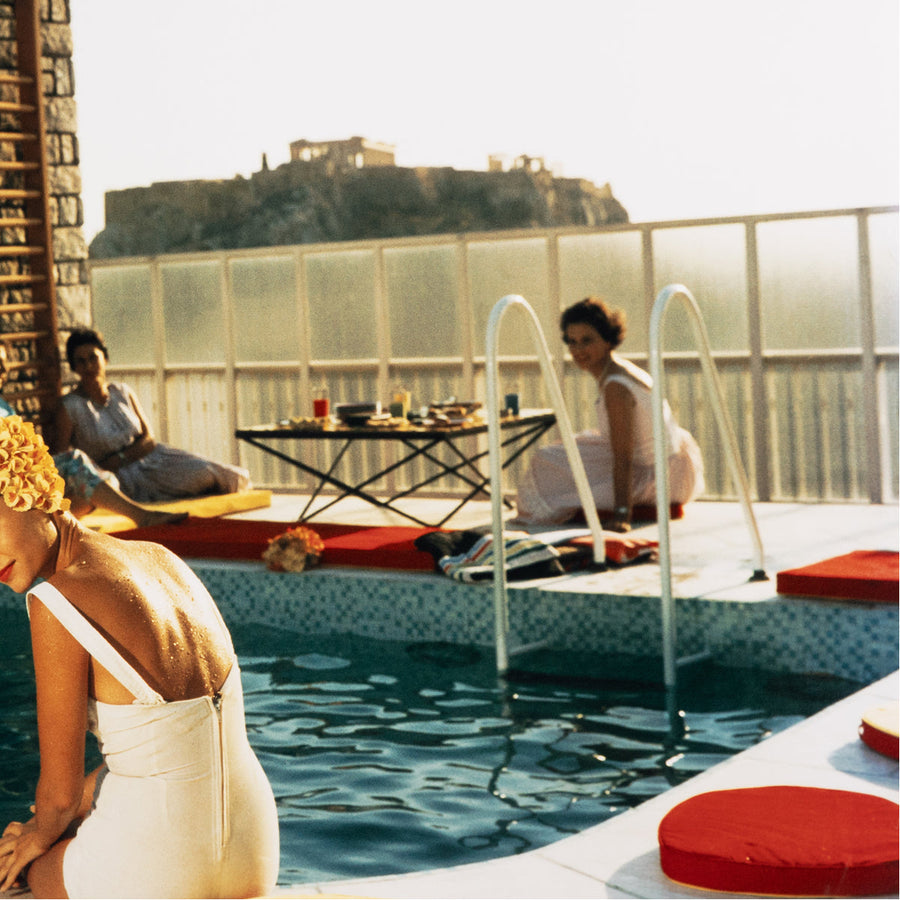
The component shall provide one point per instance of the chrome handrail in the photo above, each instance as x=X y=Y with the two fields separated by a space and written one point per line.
x=660 y=450
x=501 y=600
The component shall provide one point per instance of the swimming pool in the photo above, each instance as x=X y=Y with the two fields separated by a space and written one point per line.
x=392 y=756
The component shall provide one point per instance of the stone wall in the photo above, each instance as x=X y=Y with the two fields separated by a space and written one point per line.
x=67 y=213
x=67 y=217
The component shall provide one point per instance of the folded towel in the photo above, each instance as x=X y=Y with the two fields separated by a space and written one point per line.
x=525 y=557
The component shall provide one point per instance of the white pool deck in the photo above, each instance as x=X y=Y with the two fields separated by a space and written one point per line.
x=711 y=556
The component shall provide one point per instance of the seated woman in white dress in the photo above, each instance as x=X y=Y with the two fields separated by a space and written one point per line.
x=87 y=488
x=618 y=454
x=128 y=643
x=106 y=421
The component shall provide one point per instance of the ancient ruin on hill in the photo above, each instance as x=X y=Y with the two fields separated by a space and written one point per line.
x=341 y=191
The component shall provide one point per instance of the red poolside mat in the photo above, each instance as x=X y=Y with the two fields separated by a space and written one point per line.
x=862 y=575
x=385 y=547
x=783 y=840
x=379 y=547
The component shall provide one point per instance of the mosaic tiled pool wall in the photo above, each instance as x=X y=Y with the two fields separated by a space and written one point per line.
x=854 y=640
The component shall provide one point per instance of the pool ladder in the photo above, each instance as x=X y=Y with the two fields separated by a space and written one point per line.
x=736 y=468
x=501 y=605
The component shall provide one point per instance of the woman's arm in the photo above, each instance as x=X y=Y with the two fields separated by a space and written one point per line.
x=142 y=444
x=145 y=441
x=620 y=410
x=65 y=429
x=61 y=668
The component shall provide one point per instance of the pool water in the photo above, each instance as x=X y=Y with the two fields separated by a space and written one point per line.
x=389 y=757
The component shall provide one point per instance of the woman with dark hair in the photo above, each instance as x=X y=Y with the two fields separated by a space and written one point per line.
x=106 y=421
x=618 y=455
x=88 y=487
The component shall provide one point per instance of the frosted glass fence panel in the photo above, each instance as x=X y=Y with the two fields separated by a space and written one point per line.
x=423 y=301
x=356 y=385
x=883 y=244
x=501 y=267
x=689 y=398
x=268 y=396
x=362 y=319
x=340 y=288
x=610 y=266
x=123 y=311
x=817 y=430
x=193 y=312
x=809 y=287
x=198 y=405
x=710 y=260
x=264 y=298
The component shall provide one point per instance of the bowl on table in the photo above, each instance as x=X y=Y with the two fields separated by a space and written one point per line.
x=357 y=414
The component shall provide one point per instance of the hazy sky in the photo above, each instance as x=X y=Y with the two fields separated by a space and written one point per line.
x=686 y=107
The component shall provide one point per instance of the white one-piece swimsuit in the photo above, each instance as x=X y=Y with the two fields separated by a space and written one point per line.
x=182 y=807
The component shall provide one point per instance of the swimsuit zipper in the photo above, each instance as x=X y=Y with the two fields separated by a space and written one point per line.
x=222 y=785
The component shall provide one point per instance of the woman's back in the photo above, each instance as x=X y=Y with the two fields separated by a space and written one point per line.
x=183 y=807
x=155 y=612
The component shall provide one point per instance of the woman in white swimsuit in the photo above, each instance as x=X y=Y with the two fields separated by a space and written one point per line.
x=128 y=643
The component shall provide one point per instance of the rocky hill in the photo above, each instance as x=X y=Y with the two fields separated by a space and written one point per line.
x=311 y=202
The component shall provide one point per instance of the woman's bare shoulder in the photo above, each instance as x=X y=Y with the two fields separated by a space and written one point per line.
x=627 y=370
x=129 y=585
x=104 y=566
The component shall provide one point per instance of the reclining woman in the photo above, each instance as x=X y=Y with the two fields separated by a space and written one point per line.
x=106 y=421
x=87 y=488
x=127 y=642
x=618 y=455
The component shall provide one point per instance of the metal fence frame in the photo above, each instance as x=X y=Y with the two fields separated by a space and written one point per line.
x=199 y=405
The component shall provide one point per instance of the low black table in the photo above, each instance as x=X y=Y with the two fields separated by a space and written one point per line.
x=518 y=433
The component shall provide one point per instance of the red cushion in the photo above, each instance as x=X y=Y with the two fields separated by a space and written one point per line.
x=621 y=548
x=389 y=547
x=786 y=840
x=879 y=728
x=861 y=575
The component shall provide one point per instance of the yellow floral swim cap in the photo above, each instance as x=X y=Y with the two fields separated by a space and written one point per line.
x=28 y=478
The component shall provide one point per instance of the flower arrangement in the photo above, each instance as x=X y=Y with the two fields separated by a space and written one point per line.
x=294 y=550
x=28 y=477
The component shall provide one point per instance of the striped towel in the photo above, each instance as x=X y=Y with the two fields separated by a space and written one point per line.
x=523 y=552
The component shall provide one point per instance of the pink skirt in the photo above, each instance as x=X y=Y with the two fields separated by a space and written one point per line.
x=547 y=494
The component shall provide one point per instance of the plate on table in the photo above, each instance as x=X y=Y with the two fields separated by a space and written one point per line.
x=455 y=409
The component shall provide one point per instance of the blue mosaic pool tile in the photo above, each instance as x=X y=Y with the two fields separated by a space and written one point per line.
x=857 y=641
x=854 y=640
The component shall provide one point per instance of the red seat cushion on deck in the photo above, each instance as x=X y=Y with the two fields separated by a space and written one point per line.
x=387 y=547
x=785 y=839
x=879 y=730
x=872 y=575
x=621 y=548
